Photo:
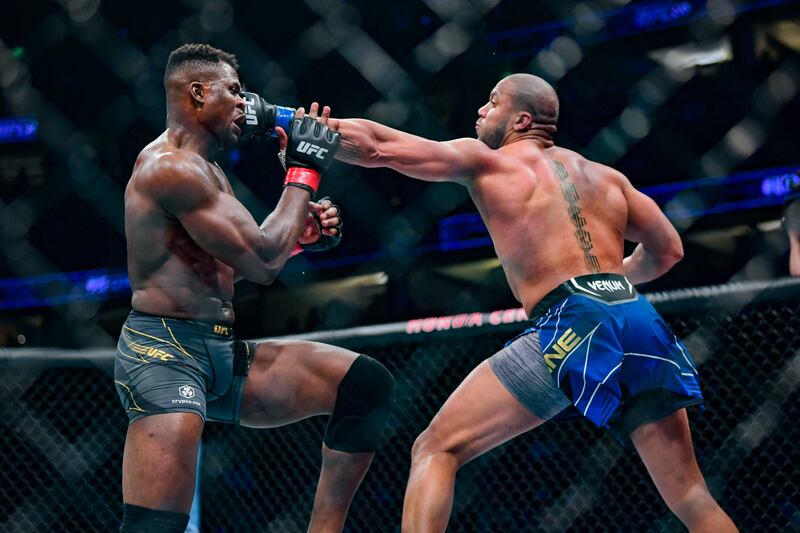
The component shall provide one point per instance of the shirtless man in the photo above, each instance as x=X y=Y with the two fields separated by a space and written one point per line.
x=558 y=222
x=177 y=363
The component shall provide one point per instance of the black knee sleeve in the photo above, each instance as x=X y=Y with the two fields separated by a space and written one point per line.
x=363 y=404
x=137 y=519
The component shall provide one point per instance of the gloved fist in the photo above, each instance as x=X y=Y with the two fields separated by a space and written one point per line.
x=312 y=146
x=323 y=229
x=261 y=117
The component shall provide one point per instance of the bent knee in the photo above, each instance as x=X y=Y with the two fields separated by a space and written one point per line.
x=363 y=404
x=424 y=445
x=435 y=442
x=692 y=504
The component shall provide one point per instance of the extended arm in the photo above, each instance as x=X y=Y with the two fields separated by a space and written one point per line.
x=659 y=246
x=369 y=144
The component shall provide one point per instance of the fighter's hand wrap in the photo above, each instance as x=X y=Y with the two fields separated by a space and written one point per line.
x=261 y=117
x=312 y=146
x=325 y=242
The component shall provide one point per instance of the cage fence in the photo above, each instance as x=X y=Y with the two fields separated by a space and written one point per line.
x=62 y=432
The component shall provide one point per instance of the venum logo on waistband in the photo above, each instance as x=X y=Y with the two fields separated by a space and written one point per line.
x=607 y=285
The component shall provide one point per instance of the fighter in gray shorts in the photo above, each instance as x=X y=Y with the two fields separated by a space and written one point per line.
x=168 y=365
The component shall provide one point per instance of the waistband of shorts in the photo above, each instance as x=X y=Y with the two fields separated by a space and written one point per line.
x=608 y=287
x=206 y=328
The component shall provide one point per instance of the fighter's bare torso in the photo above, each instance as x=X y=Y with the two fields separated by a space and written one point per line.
x=552 y=215
x=170 y=274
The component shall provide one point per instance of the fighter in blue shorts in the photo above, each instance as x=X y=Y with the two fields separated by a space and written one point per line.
x=598 y=345
x=558 y=222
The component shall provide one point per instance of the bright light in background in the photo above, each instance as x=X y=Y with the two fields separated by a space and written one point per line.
x=18 y=129
x=692 y=55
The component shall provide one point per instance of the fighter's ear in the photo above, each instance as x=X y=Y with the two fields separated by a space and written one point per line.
x=198 y=92
x=523 y=122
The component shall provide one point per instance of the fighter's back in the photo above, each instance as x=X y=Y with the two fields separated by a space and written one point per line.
x=170 y=274
x=553 y=215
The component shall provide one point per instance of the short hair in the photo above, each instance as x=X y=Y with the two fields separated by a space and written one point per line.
x=534 y=95
x=194 y=57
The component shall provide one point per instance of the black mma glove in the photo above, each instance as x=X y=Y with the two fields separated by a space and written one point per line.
x=312 y=146
x=325 y=242
x=261 y=117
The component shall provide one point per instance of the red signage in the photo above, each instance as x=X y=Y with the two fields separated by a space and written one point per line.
x=465 y=320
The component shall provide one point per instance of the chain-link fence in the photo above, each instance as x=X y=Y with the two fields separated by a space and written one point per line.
x=62 y=431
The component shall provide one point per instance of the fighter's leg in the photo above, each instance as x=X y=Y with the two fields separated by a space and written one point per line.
x=158 y=471
x=293 y=380
x=480 y=415
x=665 y=447
x=794 y=252
x=791 y=221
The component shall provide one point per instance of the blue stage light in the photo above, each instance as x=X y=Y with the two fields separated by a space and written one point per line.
x=18 y=129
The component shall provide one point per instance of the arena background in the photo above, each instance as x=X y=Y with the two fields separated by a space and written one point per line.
x=695 y=100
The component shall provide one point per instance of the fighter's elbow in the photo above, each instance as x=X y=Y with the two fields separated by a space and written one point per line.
x=264 y=263
x=672 y=255
x=262 y=274
x=677 y=250
x=268 y=275
x=271 y=267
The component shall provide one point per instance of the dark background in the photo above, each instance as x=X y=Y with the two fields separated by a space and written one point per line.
x=90 y=73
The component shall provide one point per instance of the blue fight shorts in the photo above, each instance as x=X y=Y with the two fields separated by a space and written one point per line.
x=597 y=345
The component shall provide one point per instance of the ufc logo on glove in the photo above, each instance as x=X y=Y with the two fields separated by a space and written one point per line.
x=310 y=149
x=250 y=111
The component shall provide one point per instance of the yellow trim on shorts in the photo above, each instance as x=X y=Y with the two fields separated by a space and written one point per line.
x=130 y=392
x=149 y=351
x=179 y=348
x=132 y=357
x=135 y=346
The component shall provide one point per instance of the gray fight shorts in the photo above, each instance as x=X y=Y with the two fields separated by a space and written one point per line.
x=169 y=365
x=520 y=367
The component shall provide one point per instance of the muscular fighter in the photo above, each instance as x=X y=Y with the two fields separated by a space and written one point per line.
x=178 y=364
x=791 y=222
x=558 y=222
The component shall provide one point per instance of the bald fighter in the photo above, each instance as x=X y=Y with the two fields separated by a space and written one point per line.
x=558 y=222
x=177 y=363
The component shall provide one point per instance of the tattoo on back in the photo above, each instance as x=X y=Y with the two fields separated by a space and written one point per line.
x=574 y=210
